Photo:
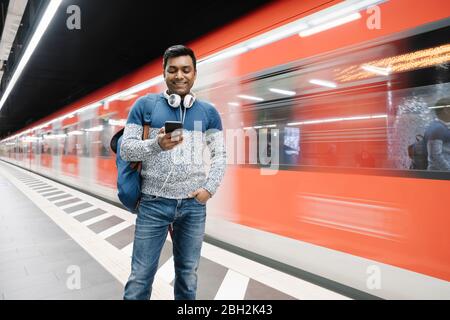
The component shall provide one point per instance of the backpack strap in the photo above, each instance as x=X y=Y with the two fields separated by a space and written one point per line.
x=147 y=118
x=138 y=165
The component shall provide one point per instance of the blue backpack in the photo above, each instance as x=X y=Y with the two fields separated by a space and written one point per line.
x=128 y=174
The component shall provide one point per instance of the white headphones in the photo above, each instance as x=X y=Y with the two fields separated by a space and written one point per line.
x=174 y=100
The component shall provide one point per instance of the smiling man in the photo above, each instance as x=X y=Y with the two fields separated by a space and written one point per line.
x=175 y=187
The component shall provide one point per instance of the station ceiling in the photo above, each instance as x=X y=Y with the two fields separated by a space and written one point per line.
x=116 y=37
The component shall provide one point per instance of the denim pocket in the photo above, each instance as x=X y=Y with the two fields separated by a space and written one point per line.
x=199 y=202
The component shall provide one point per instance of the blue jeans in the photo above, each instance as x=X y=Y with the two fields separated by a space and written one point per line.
x=154 y=216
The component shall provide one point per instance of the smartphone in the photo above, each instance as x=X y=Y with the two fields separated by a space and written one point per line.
x=171 y=126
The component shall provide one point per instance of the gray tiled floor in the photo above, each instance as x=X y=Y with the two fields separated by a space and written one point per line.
x=35 y=255
x=210 y=277
x=52 y=193
x=259 y=291
x=122 y=238
x=66 y=202
x=89 y=215
x=105 y=224
x=78 y=207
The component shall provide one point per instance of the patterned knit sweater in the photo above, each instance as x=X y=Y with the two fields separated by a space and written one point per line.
x=175 y=173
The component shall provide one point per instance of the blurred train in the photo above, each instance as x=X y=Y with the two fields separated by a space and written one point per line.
x=344 y=87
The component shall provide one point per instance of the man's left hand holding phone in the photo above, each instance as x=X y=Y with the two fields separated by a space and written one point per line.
x=170 y=135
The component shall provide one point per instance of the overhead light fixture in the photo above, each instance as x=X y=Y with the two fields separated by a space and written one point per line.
x=377 y=70
x=243 y=96
x=55 y=136
x=261 y=127
x=401 y=63
x=128 y=97
x=285 y=92
x=379 y=116
x=90 y=106
x=279 y=34
x=76 y=133
x=330 y=25
x=120 y=122
x=323 y=83
x=233 y=104
x=95 y=129
x=31 y=139
x=440 y=107
x=224 y=55
x=357 y=6
x=139 y=87
x=40 y=30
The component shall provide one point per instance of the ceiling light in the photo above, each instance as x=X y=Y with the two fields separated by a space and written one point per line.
x=128 y=97
x=120 y=122
x=285 y=92
x=439 y=107
x=337 y=119
x=95 y=129
x=243 y=96
x=224 y=55
x=270 y=37
x=330 y=25
x=323 y=83
x=377 y=70
x=402 y=63
x=346 y=10
x=76 y=133
x=40 y=30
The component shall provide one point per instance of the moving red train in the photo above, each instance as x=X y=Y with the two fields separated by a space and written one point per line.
x=341 y=89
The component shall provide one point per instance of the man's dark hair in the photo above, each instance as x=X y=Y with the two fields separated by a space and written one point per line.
x=440 y=103
x=178 y=51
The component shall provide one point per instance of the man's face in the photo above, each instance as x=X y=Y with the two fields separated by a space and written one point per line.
x=180 y=75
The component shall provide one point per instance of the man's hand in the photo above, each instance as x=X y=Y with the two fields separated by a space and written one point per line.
x=201 y=195
x=166 y=141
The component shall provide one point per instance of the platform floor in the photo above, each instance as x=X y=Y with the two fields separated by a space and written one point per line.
x=49 y=232
x=36 y=256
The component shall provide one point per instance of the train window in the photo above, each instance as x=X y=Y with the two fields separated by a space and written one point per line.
x=85 y=140
x=339 y=111
x=105 y=137
x=417 y=111
x=70 y=143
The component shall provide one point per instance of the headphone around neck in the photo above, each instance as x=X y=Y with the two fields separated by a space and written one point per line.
x=174 y=100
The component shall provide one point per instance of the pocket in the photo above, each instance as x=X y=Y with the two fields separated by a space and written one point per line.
x=199 y=202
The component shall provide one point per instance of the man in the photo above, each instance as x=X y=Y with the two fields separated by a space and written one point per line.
x=175 y=187
x=437 y=138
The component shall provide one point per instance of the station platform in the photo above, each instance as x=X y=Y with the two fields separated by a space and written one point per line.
x=58 y=243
